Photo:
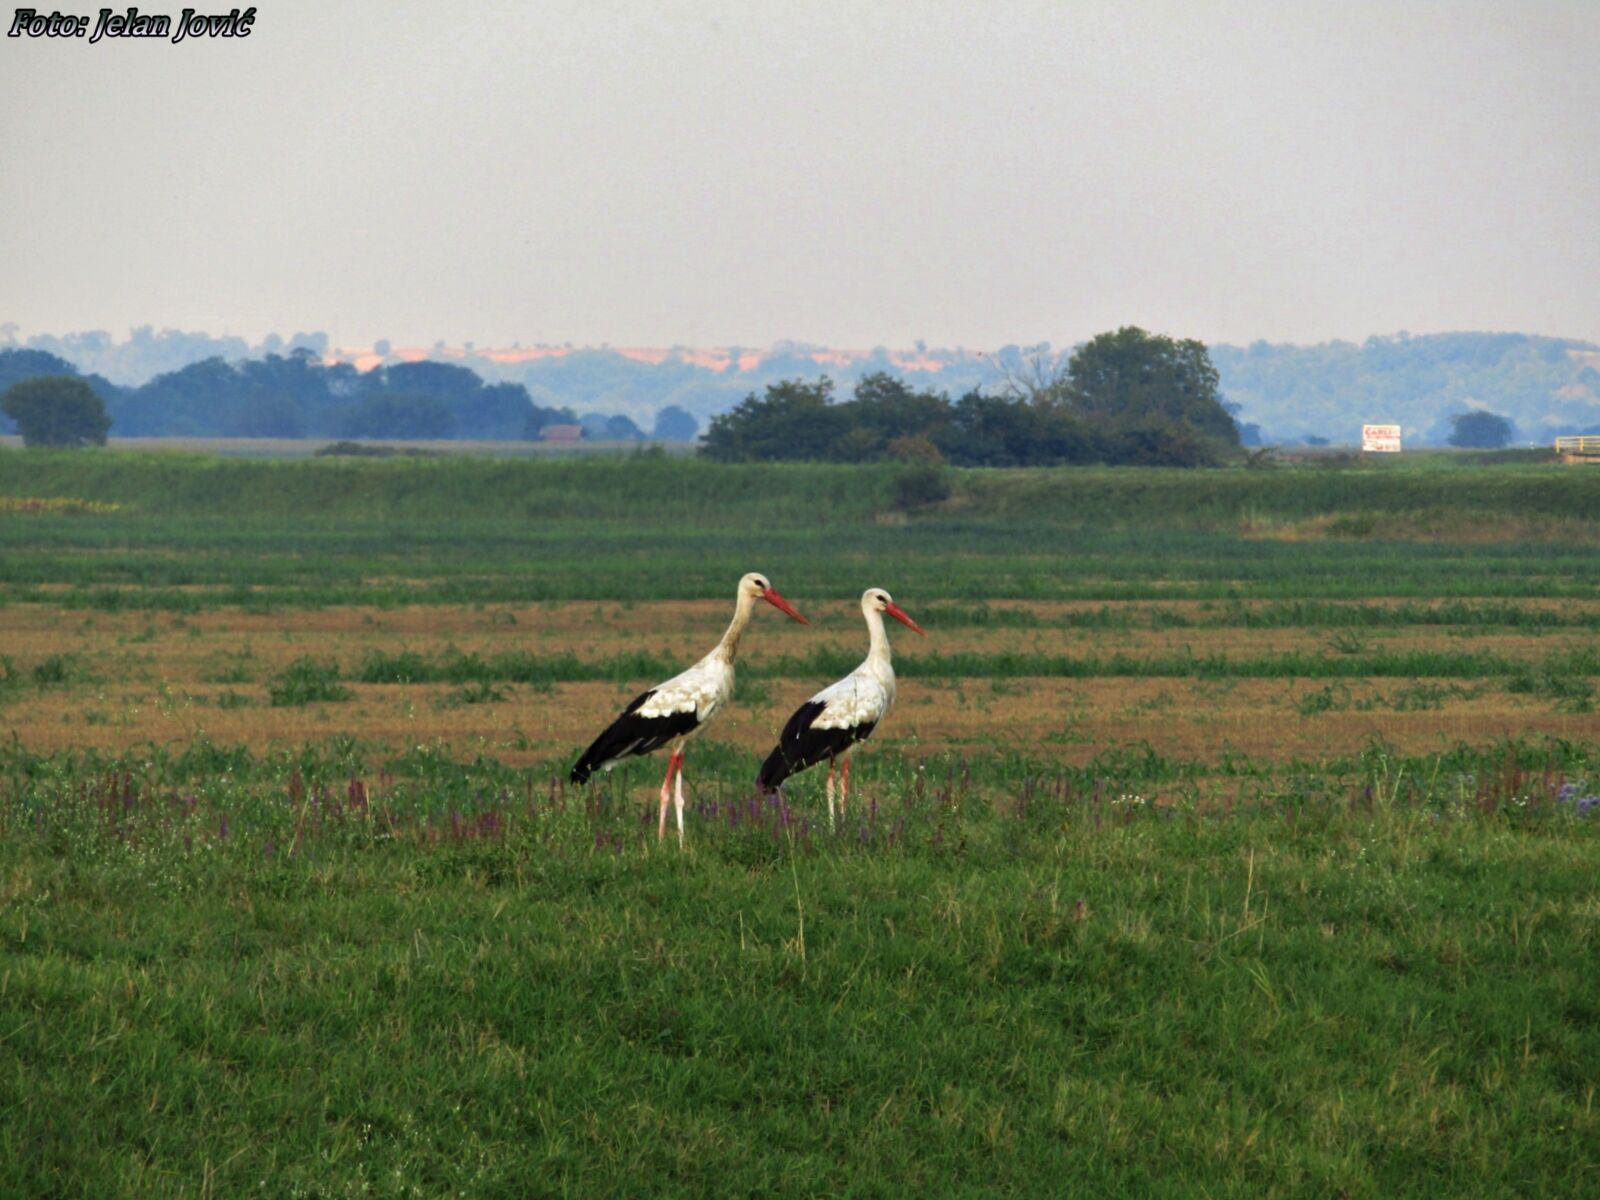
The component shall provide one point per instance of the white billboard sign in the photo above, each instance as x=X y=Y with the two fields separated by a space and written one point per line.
x=1381 y=439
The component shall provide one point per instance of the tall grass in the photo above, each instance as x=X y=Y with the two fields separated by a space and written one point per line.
x=193 y=532
x=657 y=489
x=1209 y=499
x=190 y=562
x=667 y=490
x=225 y=975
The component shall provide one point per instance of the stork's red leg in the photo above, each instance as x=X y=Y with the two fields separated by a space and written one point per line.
x=832 y=820
x=673 y=760
x=678 y=797
x=844 y=785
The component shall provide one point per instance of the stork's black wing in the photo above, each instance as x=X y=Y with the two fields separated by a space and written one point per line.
x=801 y=746
x=632 y=733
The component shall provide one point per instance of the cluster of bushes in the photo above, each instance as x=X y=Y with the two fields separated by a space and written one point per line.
x=349 y=449
x=1123 y=398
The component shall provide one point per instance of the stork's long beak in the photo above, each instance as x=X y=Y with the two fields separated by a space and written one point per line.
x=898 y=613
x=778 y=602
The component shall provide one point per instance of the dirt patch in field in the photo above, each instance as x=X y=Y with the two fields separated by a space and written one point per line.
x=233 y=646
x=1269 y=720
x=1068 y=720
x=115 y=681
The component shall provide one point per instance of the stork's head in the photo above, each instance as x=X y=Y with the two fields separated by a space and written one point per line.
x=754 y=586
x=878 y=600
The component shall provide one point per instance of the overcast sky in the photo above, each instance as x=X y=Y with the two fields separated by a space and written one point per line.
x=853 y=174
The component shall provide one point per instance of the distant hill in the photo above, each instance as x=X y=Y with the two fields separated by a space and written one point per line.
x=1546 y=386
x=153 y=383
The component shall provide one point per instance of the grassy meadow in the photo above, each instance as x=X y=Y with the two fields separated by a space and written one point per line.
x=1236 y=832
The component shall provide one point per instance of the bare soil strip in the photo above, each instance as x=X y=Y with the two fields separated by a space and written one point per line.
x=139 y=678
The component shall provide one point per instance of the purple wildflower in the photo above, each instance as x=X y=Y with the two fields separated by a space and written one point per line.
x=1571 y=793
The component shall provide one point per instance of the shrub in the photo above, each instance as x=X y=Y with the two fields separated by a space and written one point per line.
x=307 y=681
x=56 y=410
x=919 y=486
x=915 y=449
x=355 y=450
x=1167 y=444
x=52 y=671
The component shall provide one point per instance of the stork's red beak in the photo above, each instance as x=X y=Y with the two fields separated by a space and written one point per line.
x=898 y=613
x=778 y=602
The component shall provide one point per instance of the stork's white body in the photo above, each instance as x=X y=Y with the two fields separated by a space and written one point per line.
x=673 y=712
x=864 y=696
x=856 y=703
x=701 y=690
x=833 y=721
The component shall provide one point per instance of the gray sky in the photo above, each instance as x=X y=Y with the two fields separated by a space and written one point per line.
x=852 y=174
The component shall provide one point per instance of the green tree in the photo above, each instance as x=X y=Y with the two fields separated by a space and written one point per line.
x=1133 y=380
x=1001 y=431
x=406 y=417
x=1480 y=431
x=889 y=409
x=794 y=420
x=915 y=449
x=539 y=417
x=56 y=410
x=675 y=423
x=17 y=365
x=610 y=427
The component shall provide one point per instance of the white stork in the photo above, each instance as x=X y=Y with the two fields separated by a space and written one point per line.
x=828 y=725
x=670 y=713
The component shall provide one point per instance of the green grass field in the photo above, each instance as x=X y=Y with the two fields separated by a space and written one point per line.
x=228 y=976
x=192 y=532
x=343 y=964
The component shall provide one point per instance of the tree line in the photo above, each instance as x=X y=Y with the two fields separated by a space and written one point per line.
x=1124 y=397
x=1128 y=397
x=295 y=396
x=1312 y=394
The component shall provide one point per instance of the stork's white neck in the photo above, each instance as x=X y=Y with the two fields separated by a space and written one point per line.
x=728 y=647
x=878 y=644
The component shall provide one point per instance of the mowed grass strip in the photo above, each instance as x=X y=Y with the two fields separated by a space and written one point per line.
x=226 y=974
